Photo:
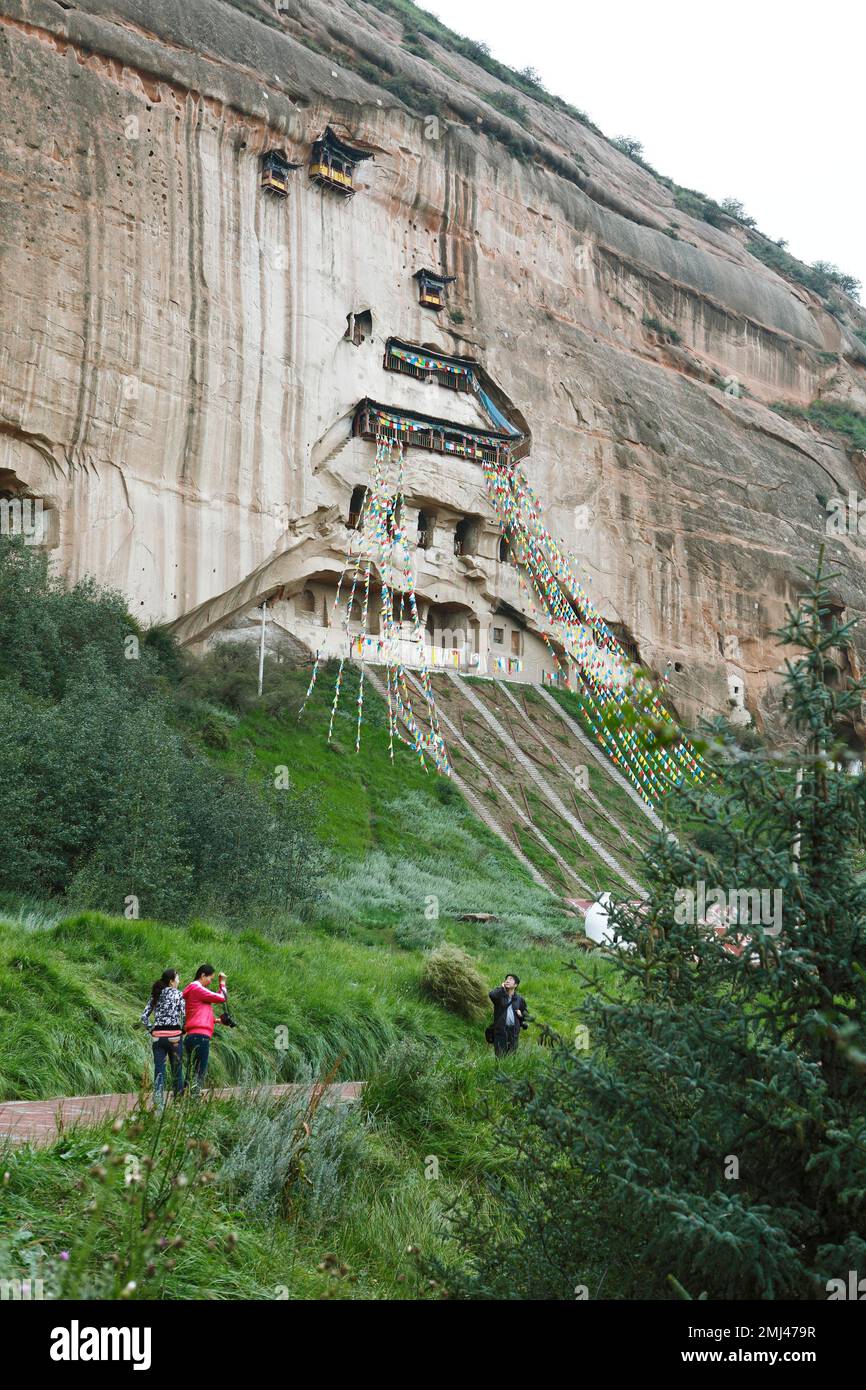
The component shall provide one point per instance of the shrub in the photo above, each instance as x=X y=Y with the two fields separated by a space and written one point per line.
x=296 y=1155
x=734 y=208
x=451 y=979
x=228 y=676
x=507 y=103
x=407 y=1086
x=820 y=277
x=429 y=1096
x=413 y=43
x=700 y=206
x=663 y=328
x=829 y=415
x=628 y=146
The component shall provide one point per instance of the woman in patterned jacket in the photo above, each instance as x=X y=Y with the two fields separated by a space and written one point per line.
x=168 y=1007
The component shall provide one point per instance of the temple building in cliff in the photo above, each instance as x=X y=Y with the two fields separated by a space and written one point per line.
x=207 y=337
x=432 y=288
x=451 y=421
x=276 y=169
x=333 y=162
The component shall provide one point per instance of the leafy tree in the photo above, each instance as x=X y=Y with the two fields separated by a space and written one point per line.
x=531 y=75
x=734 y=208
x=706 y=1136
x=626 y=145
x=102 y=794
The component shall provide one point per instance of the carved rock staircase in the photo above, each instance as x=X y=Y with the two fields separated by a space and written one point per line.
x=535 y=779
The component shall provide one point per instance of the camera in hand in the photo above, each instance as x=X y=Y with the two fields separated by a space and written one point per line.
x=227 y=1019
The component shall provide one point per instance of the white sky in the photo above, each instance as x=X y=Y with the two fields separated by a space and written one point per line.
x=760 y=100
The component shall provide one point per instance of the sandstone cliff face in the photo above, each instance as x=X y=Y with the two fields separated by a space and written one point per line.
x=176 y=382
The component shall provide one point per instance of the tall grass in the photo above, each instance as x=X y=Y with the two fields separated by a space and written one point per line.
x=234 y=1199
x=70 y=997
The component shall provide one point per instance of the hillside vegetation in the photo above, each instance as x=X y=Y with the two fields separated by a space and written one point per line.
x=111 y=766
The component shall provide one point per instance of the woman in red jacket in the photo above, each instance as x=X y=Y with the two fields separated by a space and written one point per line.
x=199 y=999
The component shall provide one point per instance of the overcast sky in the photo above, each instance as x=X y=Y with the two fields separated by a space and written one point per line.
x=753 y=99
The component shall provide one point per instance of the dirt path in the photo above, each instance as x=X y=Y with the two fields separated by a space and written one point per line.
x=42 y=1121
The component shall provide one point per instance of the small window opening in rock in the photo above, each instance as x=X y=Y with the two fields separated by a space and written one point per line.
x=628 y=643
x=466 y=537
x=832 y=675
x=504 y=551
x=499 y=637
x=356 y=507
x=425 y=530
x=834 y=611
x=307 y=602
x=362 y=327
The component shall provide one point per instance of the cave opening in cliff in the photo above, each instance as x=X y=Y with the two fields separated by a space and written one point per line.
x=466 y=534
x=832 y=612
x=627 y=641
x=356 y=507
x=35 y=519
x=307 y=603
x=359 y=327
x=426 y=524
x=451 y=627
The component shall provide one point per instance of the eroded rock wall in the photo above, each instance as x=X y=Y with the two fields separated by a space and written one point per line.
x=176 y=381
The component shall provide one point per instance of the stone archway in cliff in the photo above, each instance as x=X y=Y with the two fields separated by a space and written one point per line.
x=26 y=509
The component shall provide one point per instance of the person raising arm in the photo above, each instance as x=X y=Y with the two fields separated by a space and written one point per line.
x=509 y=1015
x=200 y=999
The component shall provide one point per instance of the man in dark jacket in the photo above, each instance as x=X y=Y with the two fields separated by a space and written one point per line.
x=509 y=1011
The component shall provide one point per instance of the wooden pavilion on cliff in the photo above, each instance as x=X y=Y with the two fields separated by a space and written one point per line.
x=375 y=421
x=276 y=168
x=432 y=288
x=333 y=161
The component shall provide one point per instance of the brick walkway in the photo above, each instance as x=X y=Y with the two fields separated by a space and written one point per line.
x=41 y=1121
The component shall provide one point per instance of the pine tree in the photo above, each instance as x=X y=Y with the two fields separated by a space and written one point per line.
x=706 y=1137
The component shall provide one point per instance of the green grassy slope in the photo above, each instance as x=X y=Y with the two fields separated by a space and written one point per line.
x=335 y=993
x=398 y=835
x=70 y=995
